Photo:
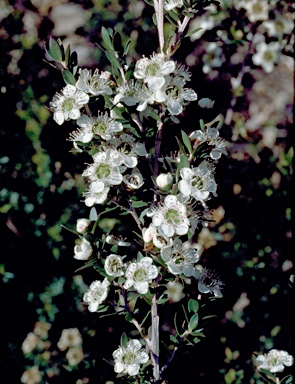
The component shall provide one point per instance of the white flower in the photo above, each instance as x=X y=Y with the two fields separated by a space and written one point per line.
x=204 y=22
x=179 y=259
x=164 y=181
x=83 y=250
x=213 y=58
x=96 y=294
x=128 y=359
x=95 y=194
x=132 y=93
x=140 y=274
x=153 y=71
x=171 y=4
x=67 y=104
x=275 y=361
x=211 y=135
x=103 y=171
x=112 y=240
x=75 y=355
x=256 y=9
x=70 y=337
x=151 y=235
x=266 y=55
x=171 y=217
x=197 y=182
x=102 y=126
x=113 y=265
x=208 y=281
x=174 y=95
x=96 y=84
x=82 y=225
x=134 y=180
x=174 y=291
x=30 y=342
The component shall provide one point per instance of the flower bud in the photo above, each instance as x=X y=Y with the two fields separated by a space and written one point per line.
x=206 y=103
x=82 y=225
x=148 y=233
x=164 y=181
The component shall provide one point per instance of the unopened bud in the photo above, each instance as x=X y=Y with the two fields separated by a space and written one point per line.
x=82 y=225
x=164 y=181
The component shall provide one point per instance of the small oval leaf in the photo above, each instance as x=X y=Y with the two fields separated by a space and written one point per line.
x=69 y=78
x=55 y=50
x=193 y=323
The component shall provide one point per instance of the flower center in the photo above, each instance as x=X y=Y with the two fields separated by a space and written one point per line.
x=198 y=182
x=68 y=104
x=103 y=171
x=172 y=216
x=178 y=259
x=257 y=8
x=99 y=128
x=140 y=275
x=98 y=293
x=129 y=358
x=268 y=56
x=152 y=69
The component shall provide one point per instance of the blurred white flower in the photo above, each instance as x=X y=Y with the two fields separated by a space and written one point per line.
x=179 y=259
x=211 y=135
x=197 y=182
x=67 y=104
x=171 y=4
x=96 y=294
x=140 y=274
x=213 y=58
x=257 y=10
x=31 y=376
x=204 y=22
x=266 y=55
x=70 y=337
x=279 y=26
x=96 y=83
x=274 y=361
x=30 y=342
x=112 y=240
x=170 y=217
x=128 y=359
x=153 y=70
x=82 y=225
x=75 y=355
x=83 y=250
x=174 y=291
x=114 y=265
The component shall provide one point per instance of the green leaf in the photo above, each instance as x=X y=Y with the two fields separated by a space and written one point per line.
x=192 y=32
x=154 y=116
x=106 y=39
x=197 y=333
x=102 y=309
x=54 y=50
x=289 y=379
x=174 y=15
x=267 y=372
x=173 y=339
x=128 y=317
x=113 y=60
x=68 y=55
x=196 y=340
x=73 y=63
x=126 y=47
x=186 y=141
x=124 y=340
x=69 y=78
x=184 y=163
x=171 y=21
x=155 y=21
x=138 y=204
x=193 y=305
x=193 y=323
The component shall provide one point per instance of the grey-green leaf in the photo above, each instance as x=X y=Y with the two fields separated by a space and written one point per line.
x=193 y=323
x=54 y=50
x=193 y=305
x=69 y=78
x=106 y=39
